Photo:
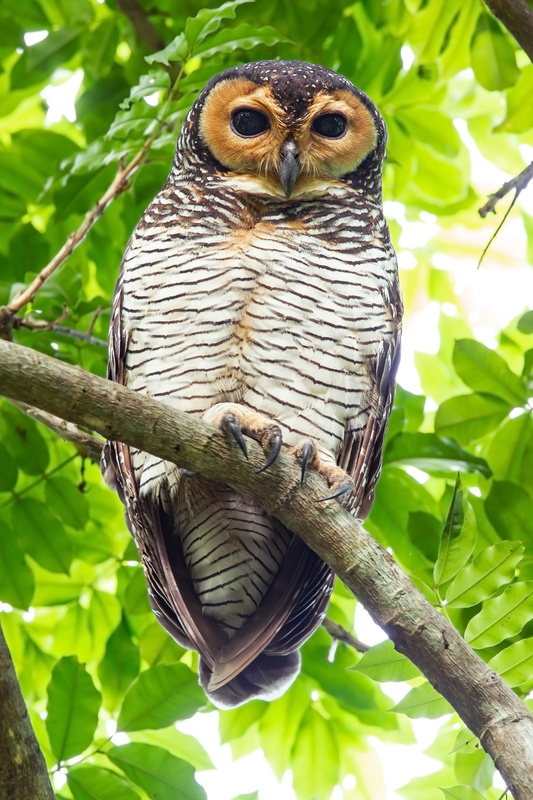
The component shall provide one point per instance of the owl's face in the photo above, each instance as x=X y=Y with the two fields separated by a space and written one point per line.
x=287 y=129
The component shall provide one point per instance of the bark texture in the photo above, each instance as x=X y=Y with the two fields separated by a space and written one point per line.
x=23 y=773
x=486 y=704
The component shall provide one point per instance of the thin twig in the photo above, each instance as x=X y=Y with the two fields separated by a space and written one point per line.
x=88 y=446
x=342 y=635
x=117 y=186
x=144 y=29
x=39 y=325
x=518 y=183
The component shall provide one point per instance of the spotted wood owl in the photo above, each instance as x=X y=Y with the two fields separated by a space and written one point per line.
x=259 y=291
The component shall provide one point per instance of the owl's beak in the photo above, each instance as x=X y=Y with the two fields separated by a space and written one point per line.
x=289 y=168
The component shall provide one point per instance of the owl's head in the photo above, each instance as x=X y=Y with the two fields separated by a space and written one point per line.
x=285 y=129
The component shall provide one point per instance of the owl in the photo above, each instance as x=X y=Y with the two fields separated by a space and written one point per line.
x=259 y=292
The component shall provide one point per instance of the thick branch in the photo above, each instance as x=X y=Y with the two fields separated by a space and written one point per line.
x=23 y=773
x=517 y=17
x=486 y=704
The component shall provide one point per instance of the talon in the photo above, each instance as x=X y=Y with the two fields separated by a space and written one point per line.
x=186 y=473
x=306 y=453
x=275 y=451
x=345 y=487
x=230 y=424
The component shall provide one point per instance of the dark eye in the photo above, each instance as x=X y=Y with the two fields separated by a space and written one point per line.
x=249 y=122
x=332 y=126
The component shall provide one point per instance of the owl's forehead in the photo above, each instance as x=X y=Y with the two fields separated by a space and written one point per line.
x=293 y=85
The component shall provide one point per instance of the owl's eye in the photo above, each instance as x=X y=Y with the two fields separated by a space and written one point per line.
x=332 y=126
x=249 y=122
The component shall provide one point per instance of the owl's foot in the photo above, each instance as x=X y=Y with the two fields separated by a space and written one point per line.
x=240 y=422
x=336 y=478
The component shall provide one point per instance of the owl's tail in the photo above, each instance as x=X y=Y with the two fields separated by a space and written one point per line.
x=266 y=678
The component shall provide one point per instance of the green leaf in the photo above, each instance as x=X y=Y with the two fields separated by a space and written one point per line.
x=95 y=783
x=44 y=536
x=384 y=663
x=502 y=616
x=8 y=470
x=177 y=50
x=525 y=323
x=103 y=617
x=67 y=501
x=208 y=20
x=73 y=704
x=315 y=745
x=16 y=578
x=466 y=742
x=136 y=595
x=160 y=774
x=24 y=441
x=468 y=417
x=461 y=793
x=458 y=537
x=519 y=117
x=279 y=726
x=160 y=696
x=423 y=701
x=119 y=667
x=491 y=568
x=430 y=453
x=177 y=744
x=508 y=507
x=243 y=37
x=515 y=663
x=493 y=56
x=485 y=371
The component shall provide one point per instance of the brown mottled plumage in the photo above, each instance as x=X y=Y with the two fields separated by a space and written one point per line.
x=259 y=291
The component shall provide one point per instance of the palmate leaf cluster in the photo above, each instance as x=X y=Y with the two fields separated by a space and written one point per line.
x=90 y=656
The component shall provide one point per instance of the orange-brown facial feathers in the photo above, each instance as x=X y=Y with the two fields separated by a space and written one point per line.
x=258 y=157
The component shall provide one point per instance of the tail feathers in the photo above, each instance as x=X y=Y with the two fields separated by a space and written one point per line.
x=266 y=678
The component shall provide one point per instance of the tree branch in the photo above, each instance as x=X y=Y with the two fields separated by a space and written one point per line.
x=143 y=27
x=118 y=185
x=490 y=709
x=518 y=183
x=23 y=773
x=341 y=635
x=517 y=17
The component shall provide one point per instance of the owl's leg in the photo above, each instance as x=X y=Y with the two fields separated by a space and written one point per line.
x=338 y=481
x=239 y=422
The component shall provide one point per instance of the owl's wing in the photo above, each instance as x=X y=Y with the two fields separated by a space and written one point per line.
x=361 y=455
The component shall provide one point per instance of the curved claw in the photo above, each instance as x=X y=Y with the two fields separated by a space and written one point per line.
x=306 y=453
x=186 y=473
x=275 y=451
x=345 y=487
x=230 y=424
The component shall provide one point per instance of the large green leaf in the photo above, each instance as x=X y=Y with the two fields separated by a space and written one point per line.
x=160 y=774
x=315 y=745
x=508 y=507
x=491 y=568
x=43 y=534
x=458 y=537
x=431 y=453
x=160 y=696
x=208 y=20
x=502 y=616
x=515 y=663
x=243 y=37
x=95 y=783
x=423 y=701
x=519 y=117
x=16 y=578
x=485 y=371
x=470 y=416
x=119 y=667
x=384 y=663
x=73 y=704
x=493 y=56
